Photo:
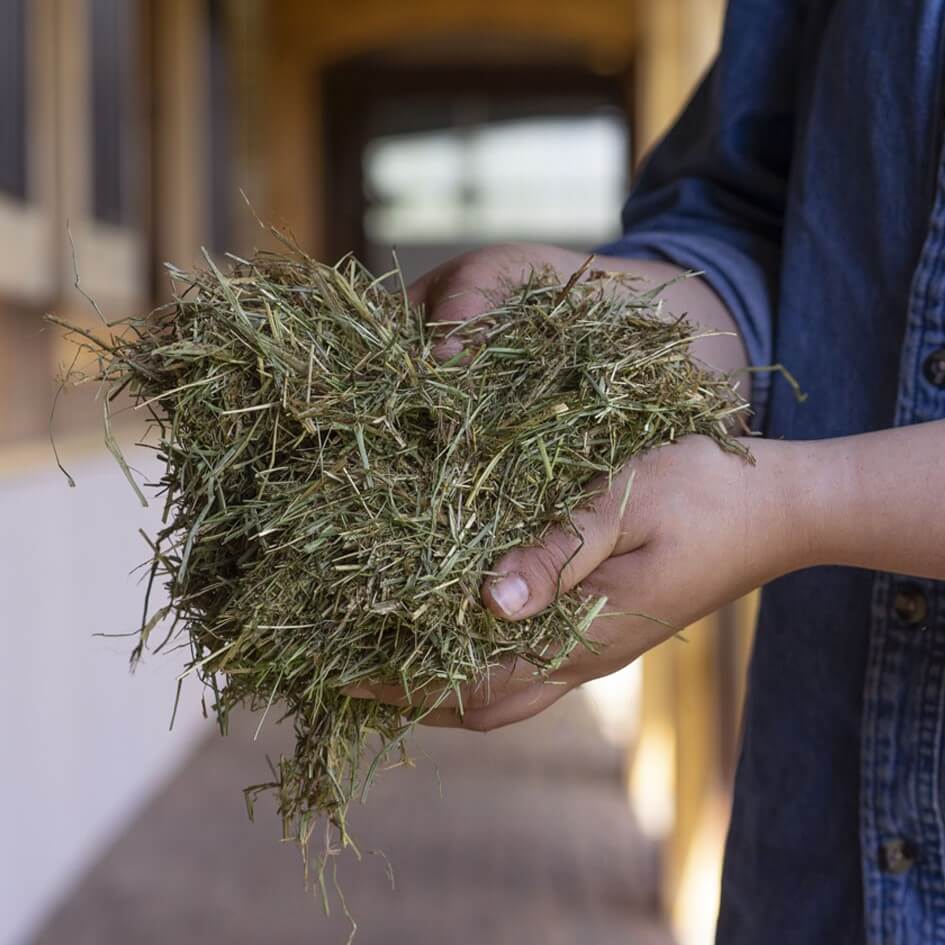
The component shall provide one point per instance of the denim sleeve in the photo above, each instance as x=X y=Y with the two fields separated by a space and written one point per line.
x=711 y=196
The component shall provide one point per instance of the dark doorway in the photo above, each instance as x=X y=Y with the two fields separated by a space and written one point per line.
x=435 y=158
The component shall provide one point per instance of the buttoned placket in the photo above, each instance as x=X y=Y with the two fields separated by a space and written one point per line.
x=902 y=827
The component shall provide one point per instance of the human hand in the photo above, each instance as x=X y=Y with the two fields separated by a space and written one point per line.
x=467 y=285
x=463 y=288
x=701 y=527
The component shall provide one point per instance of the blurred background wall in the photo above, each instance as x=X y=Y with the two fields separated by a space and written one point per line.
x=429 y=126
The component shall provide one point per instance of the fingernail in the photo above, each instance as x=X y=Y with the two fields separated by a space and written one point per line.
x=510 y=593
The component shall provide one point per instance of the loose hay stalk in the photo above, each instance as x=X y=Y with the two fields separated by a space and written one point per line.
x=334 y=496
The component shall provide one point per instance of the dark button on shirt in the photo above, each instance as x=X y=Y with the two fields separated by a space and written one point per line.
x=910 y=604
x=934 y=368
x=898 y=856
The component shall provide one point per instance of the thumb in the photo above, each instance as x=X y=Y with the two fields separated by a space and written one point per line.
x=527 y=580
x=453 y=296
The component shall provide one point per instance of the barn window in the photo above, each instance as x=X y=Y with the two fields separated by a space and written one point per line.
x=113 y=78
x=553 y=179
x=13 y=66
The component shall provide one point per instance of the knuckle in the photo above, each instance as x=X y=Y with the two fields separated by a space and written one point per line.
x=550 y=562
x=595 y=586
x=607 y=580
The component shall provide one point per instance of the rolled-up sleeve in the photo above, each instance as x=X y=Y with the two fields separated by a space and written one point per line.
x=711 y=196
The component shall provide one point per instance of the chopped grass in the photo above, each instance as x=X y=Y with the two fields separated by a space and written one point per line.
x=334 y=496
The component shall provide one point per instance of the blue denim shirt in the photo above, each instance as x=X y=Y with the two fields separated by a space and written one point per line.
x=806 y=180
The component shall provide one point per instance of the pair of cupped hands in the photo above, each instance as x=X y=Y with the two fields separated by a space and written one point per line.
x=702 y=528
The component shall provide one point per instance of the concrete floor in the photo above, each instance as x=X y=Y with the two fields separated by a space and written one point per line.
x=531 y=844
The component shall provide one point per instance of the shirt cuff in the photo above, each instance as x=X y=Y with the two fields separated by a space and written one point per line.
x=737 y=278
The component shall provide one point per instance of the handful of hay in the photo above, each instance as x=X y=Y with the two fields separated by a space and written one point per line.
x=334 y=496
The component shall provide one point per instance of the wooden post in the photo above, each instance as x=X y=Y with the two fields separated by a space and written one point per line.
x=180 y=224
x=683 y=752
x=293 y=154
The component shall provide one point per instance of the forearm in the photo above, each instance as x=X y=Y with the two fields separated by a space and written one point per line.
x=872 y=501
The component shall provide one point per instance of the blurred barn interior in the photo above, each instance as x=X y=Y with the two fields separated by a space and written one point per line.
x=135 y=132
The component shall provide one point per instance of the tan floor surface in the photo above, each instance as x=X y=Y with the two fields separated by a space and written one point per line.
x=531 y=843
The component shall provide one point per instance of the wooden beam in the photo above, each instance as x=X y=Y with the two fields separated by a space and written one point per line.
x=330 y=32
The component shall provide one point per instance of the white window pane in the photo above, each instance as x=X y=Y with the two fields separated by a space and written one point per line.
x=535 y=179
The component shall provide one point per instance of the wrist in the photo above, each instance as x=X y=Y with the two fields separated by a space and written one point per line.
x=817 y=492
x=796 y=501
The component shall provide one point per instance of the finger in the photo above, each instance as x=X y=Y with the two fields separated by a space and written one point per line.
x=452 y=298
x=441 y=718
x=633 y=620
x=503 y=680
x=418 y=289
x=424 y=698
x=527 y=579
x=455 y=295
x=516 y=707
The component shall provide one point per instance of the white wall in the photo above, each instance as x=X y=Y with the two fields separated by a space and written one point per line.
x=83 y=743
